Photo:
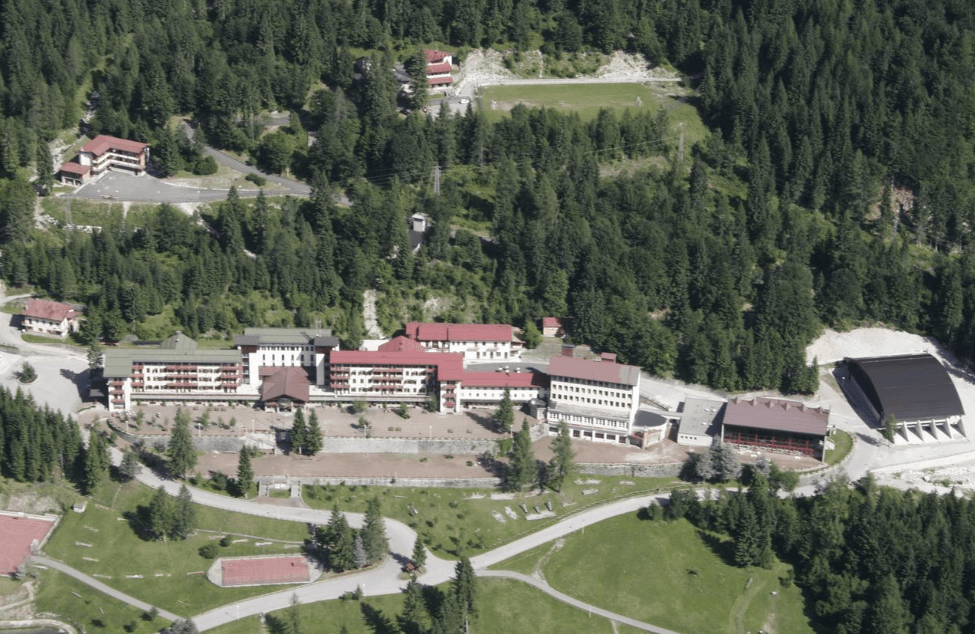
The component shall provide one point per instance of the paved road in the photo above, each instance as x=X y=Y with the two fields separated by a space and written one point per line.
x=98 y=585
x=564 y=598
x=122 y=186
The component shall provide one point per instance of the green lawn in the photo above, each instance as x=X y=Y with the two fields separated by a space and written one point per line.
x=667 y=574
x=503 y=606
x=83 y=212
x=88 y=609
x=842 y=444
x=121 y=552
x=588 y=99
x=463 y=520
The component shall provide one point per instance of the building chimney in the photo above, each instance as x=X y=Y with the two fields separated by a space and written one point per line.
x=608 y=357
x=568 y=350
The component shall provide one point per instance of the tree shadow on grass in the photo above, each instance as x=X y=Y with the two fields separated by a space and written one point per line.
x=138 y=521
x=725 y=549
x=378 y=622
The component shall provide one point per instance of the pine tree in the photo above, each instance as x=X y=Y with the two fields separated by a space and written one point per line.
x=294 y=614
x=523 y=469
x=361 y=558
x=130 y=467
x=45 y=168
x=504 y=417
x=703 y=464
x=339 y=542
x=245 y=473
x=184 y=514
x=563 y=457
x=413 y=608
x=94 y=467
x=465 y=586
x=181 y=452
x=160 y=514
x=889 y=431
x=374 y=532
x=299 y=432
x=419 y=553
x=313 y=436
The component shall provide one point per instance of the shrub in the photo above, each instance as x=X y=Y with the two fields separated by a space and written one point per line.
x=205 y=166
x=257 y=179
x=225 y=541
x=209 y=551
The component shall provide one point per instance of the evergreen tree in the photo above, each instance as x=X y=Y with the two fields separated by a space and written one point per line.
x=94 y=467
x=245 y=473
x=299 y=432
x=504 y=417
x=563 y=456
x=523 y=470
x=359 y=552
x=45 y=168
x=160 y=514
x=184 y=514
x=890 y=428
x=294 y=614
x=181 y=452
x=465 y=586
x=374 y=531
x=532 y=337
x=130 y=467
x=419 y=553
x=338 y=542
x=313 y=435
x=411 y=620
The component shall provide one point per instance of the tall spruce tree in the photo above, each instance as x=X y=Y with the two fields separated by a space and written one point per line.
x=184 y=514
x=374 y=531
x=313 y=436
x=94 y=467
x=160 y=514
x=299 y=432
x=181 y=452
x=523 y=469
x=563 y=457
x=419 y=553
x=465 y=586
x=504 y=417
x=245 y=472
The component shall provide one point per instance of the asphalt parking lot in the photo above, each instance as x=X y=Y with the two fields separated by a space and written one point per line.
x=60 y=380
x=119 y=186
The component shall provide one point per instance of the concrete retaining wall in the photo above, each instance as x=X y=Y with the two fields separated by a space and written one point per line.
x=631 y=470
x=227 y=444
x=449 y=483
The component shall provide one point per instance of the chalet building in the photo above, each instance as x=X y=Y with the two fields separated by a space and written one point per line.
x=477 y=342
x=49 y=318
x=103 y=153
x=306 y=348
x=776 y=425
x=438 y=68
x=176 y=370
x=552 y=327
x=283 y=389
x=598 y=400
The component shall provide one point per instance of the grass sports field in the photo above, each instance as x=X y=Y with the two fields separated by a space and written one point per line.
x=588 y=99
x=668 y=574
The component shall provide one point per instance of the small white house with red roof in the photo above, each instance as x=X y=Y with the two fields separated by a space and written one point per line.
x=439 y=64
x=103 y=153
x=477 y=342
x=49 y=318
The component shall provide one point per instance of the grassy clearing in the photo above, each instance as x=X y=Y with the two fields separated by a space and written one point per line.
x=502 y=606
x=121 y=552
x=842 y=445
x=88 y=609
x=693 y=588
x=588 y=99
x=83 y=212
x=456 y=521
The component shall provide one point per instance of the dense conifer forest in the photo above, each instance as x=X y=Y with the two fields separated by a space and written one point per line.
x=835 y=187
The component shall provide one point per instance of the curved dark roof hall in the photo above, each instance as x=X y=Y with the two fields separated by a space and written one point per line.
x=912 y=387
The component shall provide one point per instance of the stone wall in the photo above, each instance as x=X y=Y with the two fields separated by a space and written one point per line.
x=228 y=444
x=450 y=483
x=631 y=470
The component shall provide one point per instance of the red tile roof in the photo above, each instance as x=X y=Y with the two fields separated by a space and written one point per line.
x=777 y=415
x=608 y=372
x=436 y=81
x=438 y=69
x=401 y=344
x=51 y=311
x=103 y=143
x=435 y=57
x=459 y=332
x=443 y=361
x=255 y=571
x=551 y=322
x=290 y=383
x=502 y=379
x=75 y=168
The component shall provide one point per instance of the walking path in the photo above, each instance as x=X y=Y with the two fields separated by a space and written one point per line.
x=564 y=598
x=98 y=585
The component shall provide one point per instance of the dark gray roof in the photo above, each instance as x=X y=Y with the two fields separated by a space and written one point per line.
x=179 y=341
x=118 y=361
x=911 y=387
x=774 y=414
x=287 y=337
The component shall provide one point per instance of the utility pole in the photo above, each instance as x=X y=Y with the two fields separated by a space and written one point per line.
x=436 y=180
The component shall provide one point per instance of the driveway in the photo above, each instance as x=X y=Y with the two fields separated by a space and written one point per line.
x=121 y=186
